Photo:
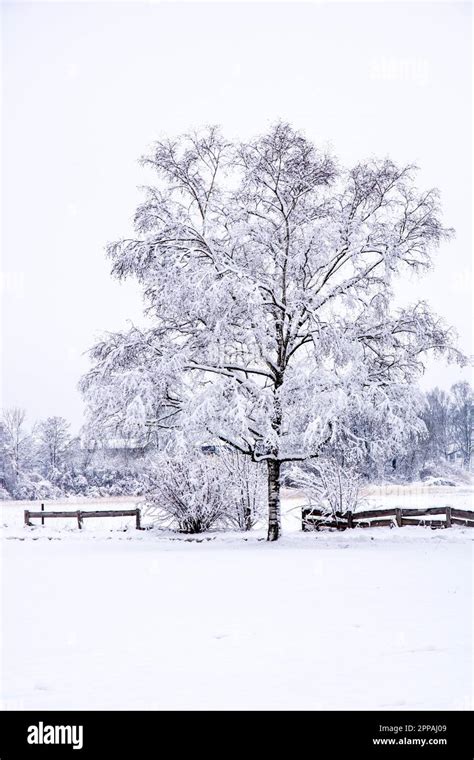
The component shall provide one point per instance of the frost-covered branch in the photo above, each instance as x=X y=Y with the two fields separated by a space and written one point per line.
x=267 y=272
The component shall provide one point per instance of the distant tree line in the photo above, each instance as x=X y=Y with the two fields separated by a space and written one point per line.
x=448 y=435
x=437 y=449
x=46 y=461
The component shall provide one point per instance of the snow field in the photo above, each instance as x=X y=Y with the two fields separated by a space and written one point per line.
x=366 y=619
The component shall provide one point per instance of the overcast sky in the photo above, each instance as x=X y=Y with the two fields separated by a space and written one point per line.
x=88 y=86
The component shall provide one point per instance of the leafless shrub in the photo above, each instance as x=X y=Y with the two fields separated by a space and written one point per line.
x=330 y=486
x=200 y=492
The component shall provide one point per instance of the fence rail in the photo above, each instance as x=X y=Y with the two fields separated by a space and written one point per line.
x=313 y=519
x=80 y=515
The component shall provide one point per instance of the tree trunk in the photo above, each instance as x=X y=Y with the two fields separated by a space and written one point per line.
x=247 y=518
x=274 y=509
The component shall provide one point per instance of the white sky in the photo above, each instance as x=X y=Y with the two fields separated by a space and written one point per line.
x=88 y=86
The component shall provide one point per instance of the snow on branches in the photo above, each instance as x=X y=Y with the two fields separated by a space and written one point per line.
x=267 y=274
x=194 y=493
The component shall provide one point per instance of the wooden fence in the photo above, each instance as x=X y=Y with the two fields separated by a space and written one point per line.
x=313 y=519
x=80 y=515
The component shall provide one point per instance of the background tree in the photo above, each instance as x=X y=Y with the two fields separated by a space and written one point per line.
x=462 y=420
x=436 y=417
x=267 y=276
x=54 y=440
x=16 y=445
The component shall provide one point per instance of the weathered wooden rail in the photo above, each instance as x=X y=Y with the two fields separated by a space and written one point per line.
x=81 y=514
x=313 y=519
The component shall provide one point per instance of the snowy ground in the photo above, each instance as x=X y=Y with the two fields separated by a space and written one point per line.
x=113 y=619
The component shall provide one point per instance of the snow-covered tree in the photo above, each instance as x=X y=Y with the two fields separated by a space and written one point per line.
x=54 y=440
x=436 y=416
x=267 y=274
x=462 y=419
x=16 y=445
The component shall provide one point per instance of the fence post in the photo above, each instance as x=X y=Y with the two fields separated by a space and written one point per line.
x=398 y=516
x=79 y=519
x=448 y=517
x=349 y=519
x=138 y=526
x=27 y=517
x=42 y=509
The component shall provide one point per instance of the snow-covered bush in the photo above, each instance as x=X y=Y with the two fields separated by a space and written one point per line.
x=33 y=488
x=111 y=481
x=328 y=485
x=197 y=492
x=187 y=495
x=79 y=485
x=245 y=486
x=440 y=472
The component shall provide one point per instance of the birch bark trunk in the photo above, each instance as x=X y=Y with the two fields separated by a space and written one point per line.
x=274 y=505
